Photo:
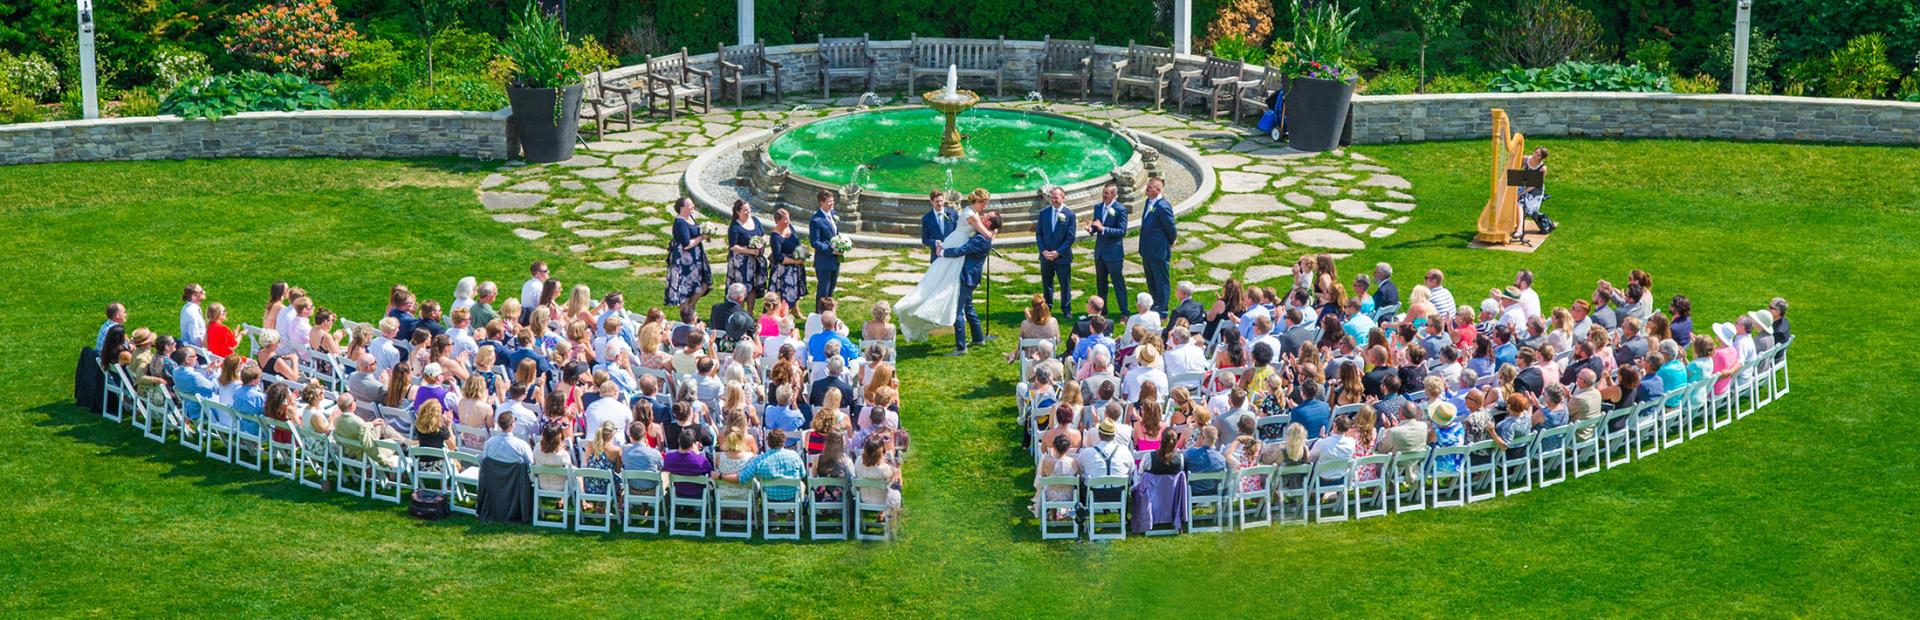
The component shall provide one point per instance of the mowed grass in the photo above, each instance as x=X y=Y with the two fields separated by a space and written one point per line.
x=1806 y=508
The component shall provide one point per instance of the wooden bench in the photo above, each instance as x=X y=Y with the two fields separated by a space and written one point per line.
x=1253 y=93
x=1213 y=83
x=742 y=66
x=1067 y=61
x=976 y=58
x=1146 y=67
x=845 y=57
x=603 y=99
x=671 y=79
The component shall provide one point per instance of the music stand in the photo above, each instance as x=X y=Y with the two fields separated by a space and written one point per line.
x=1523 y=177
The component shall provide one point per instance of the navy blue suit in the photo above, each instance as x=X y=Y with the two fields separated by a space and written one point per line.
x=935 y=229
x=1157 y=235
x=1109 y=257
x=826 y=265
x=975 y=250
x=1055 y=232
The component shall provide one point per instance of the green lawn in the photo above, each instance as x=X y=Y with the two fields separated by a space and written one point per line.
x=1806 y=509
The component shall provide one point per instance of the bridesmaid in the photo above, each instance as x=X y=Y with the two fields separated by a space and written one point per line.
x=689 y=276
x=745 y=264
x=789 y=274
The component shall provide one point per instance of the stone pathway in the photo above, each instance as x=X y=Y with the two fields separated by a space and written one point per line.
x=609 y=205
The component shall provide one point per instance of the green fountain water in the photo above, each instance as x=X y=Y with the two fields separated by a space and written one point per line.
x=896 y=151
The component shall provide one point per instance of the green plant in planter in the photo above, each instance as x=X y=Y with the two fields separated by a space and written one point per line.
x=537 y=47
x=1323 y=42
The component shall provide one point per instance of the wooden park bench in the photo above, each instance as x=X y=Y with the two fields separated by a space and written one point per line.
x=976 y=58
x=845 y=57
x=672 y=80
x=1213 y=83
x=1146 y=67
x=1253 y=93
x=742 y=66
x=1067 y=61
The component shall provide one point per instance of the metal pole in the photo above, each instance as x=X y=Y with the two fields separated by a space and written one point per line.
x=1742 y=25
x=1183 y=26
x=745 y=27
x=89 y=90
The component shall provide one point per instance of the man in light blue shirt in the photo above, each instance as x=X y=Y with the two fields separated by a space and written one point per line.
x=830 y=327
x=116 y=315
x=190 y=380
x=249 y=399
x=505 y=446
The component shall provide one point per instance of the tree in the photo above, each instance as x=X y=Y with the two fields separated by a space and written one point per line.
x=435 y=16
x=1429 y=19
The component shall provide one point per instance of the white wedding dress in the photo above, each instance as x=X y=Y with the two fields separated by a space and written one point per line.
x=935 y=302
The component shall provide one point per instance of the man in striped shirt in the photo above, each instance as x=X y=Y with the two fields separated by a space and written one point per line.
x=1441 y=298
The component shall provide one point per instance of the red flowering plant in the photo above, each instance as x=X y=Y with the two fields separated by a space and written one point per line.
x=302 y=37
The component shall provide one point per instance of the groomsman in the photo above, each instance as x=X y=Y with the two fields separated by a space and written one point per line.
x=1054 y=235
x=1157 y=235
x=820 y=233
x=937 y=223
x=1109 y=230
x=975 y=250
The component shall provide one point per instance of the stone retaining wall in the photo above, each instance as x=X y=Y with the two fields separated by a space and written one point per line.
x=1415 y=118
x=333 y=133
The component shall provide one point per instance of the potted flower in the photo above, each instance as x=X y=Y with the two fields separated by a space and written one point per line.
x=542 y=87
x=1322 y=84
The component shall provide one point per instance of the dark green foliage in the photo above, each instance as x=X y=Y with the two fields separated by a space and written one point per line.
x=252 y=91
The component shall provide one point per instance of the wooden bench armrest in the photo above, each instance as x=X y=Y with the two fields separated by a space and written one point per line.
x=772 y=63
x=1223 y=81
x=1121 y=65
x=1191 y=73
x=1163 y=69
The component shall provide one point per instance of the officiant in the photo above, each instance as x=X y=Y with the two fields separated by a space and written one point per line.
x=937 y=223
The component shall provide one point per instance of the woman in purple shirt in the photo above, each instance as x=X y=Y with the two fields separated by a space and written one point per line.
x=684 y=461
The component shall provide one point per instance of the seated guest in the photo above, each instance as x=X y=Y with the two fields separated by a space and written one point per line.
x=610 y=408
x=1097 y=338
x=1312 y=412
x=880 y=326
x=1106 y=457
x=1146 y=317
x=1148 y=370
x=777 y=463
x=1184 y=357
x=1204 y=458
x=784 y=412
x=685 y=461
x=834 y=381
x=190 y=380
x=1096 y=307
x=221 y=340
x=1337 y=447
x=831 y=331
x=874 y=465
x=553 y=452
x=637 y=456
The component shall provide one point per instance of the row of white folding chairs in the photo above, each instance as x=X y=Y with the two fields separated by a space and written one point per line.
x=1415 y=480
x=649 y=502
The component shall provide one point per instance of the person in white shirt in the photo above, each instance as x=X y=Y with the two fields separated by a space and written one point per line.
x=1185 y=357
x=1263 y=329
x=1528 y=297
x=1147 y=370
x=193 y=323
x=1336 y=447
x=464 y=346
x=1146 y=316
x=286 y=310
x=296 y=328
x=1439 y=296
x=527 y=421
x=1106 y=457
x=530 y=291
x=1513 y=312
x=463 y=293
x=609 y=408
x=506 y=445
x=383 y=348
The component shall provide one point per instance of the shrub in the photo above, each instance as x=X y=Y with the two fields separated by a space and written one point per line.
x=1760 y=59
x=1860 y=70
x=1445 y=84
x=1655 y=54
x=1236 y=47
x=301 y=37
x=1909 y=88
x=29 y=76
x=1395 y=82
x=253 y=91
x=1251 y=21
x=173 y=66
x=371 y=72
x=537 y=47
x=589 y=56
x=1543 y=33
x=1578 y=76
x=17 y=108
x=139 y=102
x=1803 y=77
x=1701 y=84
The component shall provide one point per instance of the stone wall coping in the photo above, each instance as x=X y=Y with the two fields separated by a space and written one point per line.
x=498 y=115
x=1616 y=96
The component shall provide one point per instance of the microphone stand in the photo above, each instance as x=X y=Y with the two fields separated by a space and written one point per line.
x=986 y=282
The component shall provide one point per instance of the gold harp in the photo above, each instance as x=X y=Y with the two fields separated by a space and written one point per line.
x=1500 y=219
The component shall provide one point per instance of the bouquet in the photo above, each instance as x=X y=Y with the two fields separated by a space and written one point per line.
x=804 y=252
x=759 y=242
x=842 y=244
x=712 y=230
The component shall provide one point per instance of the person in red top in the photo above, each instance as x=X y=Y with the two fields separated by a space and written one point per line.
x=220 y=338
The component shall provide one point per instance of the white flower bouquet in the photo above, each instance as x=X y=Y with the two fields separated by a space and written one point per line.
x=759 y=242
x=842 y=244
x=712 y=230
x=803 y=252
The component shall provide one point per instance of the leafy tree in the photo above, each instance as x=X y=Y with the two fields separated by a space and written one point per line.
x=1430 y=19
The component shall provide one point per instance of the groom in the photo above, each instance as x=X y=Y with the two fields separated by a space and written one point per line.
x=975 y=250
x=937 y=223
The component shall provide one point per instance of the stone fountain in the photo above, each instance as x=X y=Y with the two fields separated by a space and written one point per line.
x=950 y=102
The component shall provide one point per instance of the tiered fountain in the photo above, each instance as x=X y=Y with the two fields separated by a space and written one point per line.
x=951 y=101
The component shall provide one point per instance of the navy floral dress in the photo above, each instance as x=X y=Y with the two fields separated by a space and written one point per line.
x=789 y=281
x=688 y=273
x=744 y=269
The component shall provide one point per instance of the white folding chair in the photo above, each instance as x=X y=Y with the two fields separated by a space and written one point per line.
x=827 y=518
x=398 y=418
x=551 y=507
x=1482 y=477
x=1406 y=480
x=1446 y=476
x=432 y=470
x=733 y=509
x=598 y=517
x=352 y=475
x=1521 y=466
x=116 y=389
x=872 y=521
x=218 y=422
x=315 y=457
x=1329 y=492
x=1251 y=500
x=390 y=477
x=644 y=493
x=283 y=456
x=1098 y=526
x=1368 y=498
x=1292 y=493
x=1555 y=449
x=1616 y=435
x=781 y=519
x=689 y=515
x=1057 y=517
x=466 y=482
x=249 y=441
x=1215 y=517
x=254 y=335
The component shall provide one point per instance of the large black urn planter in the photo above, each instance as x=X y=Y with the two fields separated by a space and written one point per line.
x=545 y=136
x=1317 y=113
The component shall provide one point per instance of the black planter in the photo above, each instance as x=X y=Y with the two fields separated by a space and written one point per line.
x=1317 y=113
x=546 y=134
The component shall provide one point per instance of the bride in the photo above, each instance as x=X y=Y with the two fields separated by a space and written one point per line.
x=934 y=303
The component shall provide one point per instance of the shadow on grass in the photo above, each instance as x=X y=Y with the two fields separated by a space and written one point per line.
x=125 y=442
x=1445 y=241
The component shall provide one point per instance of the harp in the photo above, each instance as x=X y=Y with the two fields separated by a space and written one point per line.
x=1500 y=219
